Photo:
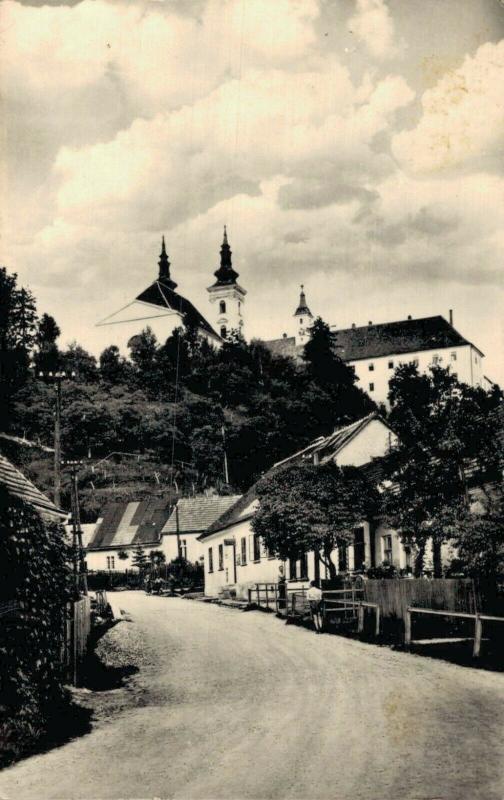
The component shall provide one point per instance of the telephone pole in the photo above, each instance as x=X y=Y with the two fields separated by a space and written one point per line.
x=79 y=563
x=57 y=378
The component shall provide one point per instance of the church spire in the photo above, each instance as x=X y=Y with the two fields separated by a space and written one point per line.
x=164 y=267
x=225 y=275
x=302 y=308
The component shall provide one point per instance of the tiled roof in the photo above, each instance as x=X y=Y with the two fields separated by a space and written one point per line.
x=196 y=514
x=233 y=514
x=391 y=338
x=386 y=339
x=19 y=486
x=127 y=524
x=160 y=294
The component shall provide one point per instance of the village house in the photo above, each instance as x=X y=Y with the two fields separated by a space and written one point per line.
x=166 y=523
x=235 y=557
x=18 y=485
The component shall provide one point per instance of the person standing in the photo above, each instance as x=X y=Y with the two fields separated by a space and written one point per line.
x=314 y=596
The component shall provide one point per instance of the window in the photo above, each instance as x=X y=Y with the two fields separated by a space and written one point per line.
x=292 y=568
x=257 y=548
x=407 y=554
x=436 y=359
x=210 y=560
x=371 y=367
x=223 y=331
x=391 y=365
x=222 y=307
x=371 y=387
x=387 y=549
x=221 y=556
x=342 y=557
x=110 y=562
x=304 y=565
x=300 y=321
x=453 y=356
x=243 y=551
x=359 y=548
x=183 y=549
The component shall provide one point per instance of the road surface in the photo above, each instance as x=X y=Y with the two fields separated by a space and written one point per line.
x=239 y=705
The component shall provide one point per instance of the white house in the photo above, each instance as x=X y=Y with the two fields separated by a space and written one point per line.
x=156 y=523
x=235 y=558
x=375 y=351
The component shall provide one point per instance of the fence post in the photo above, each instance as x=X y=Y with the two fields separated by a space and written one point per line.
x=407 y=628
x=258 y=596
x=360 y=618
x=377 y=625
x=250 y=596
x=267 y=598
x=478 y=631
x=275 y=585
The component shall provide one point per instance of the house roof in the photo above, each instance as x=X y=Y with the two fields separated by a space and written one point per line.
x=196 y=514
x=161 y=294
x=18 y=485
x=331 y=445
x=395 y=338
x=132 y=524
x=385 y=339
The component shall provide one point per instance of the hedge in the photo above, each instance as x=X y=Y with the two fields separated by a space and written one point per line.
x=35 y=574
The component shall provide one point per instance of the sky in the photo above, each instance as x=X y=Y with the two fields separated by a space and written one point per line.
x=354 y=146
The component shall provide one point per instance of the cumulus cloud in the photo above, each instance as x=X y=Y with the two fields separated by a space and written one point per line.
x=373 y=25
x=462 y=117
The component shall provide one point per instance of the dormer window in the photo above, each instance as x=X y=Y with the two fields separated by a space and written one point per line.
x=222 y=307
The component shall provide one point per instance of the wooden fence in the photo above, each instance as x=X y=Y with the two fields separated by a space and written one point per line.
x=77 y=632
x=443 y=594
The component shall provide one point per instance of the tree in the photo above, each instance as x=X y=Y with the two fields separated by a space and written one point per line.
x=83 y=364
x=144 y=357
x=17 y=336
x=47 y=357
x=157 y=558
x=447 y=431
x=140 y=559
x=114 y=368
x=479 y=536
x=304 y=507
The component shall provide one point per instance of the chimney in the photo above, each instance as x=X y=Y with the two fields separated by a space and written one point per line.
x=409 y=316
x=284 y=336
x=451 y=316
x=353 y=324
x=370 y=323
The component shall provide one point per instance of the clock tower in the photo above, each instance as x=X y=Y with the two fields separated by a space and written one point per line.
x=226 y=295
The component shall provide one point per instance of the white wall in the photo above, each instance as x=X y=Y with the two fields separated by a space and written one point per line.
x=97 y=560
x=232 y=318
x=372 y=442
x=463 y=360
x=189 y=545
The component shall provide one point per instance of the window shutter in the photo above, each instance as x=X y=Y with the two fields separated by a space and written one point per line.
x=251 y=546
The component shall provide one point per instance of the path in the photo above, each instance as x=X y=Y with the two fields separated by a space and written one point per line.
x=239 y=705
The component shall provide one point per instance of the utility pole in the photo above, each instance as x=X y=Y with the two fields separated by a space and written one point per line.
x=80 y=572
x=57 y=378
x=226 y=471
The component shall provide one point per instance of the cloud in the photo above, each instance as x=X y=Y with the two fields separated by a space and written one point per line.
x=374 y=27
x=462 y=118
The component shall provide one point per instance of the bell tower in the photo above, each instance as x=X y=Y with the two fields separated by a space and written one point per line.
x=226 y=295
x=303 y=319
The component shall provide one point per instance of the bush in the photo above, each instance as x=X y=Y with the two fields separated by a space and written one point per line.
x=35 y=573
x=101 y=579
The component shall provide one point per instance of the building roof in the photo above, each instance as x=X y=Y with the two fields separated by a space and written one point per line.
x=18 y=485
x=385 y=339
x=302 y=309
x=196 y=514
x=395 y=338
x=161 y=294
x=226 y=275
x=235 y=513
x=132 y=524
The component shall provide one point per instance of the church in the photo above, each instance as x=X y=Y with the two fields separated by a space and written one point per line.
x=162 y=308
x=373 y=350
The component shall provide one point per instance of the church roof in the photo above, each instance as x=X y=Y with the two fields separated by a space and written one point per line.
x=302 y=309
x=160 y=294
x=226 y=275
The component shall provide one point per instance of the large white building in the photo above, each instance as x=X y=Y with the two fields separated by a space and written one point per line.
x=375 y=351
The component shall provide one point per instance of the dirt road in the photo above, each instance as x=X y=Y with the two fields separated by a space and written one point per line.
x=234 y=705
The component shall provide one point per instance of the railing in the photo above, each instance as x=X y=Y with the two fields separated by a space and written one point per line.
x=265 y=595
x=478 y=624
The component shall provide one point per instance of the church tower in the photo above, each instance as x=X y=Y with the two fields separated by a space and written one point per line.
x=226 y=295
x=303 y=319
